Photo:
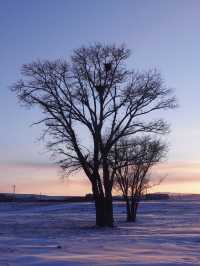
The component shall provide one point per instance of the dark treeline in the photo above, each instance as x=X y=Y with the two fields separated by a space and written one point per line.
x=10 y=197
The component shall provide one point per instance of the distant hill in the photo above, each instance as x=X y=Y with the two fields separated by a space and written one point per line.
x=156 y=196
x=7 y=197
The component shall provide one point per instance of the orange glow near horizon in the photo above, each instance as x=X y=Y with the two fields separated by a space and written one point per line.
x=179 y=177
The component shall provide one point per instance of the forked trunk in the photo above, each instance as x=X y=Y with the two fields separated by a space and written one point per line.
x=131 y=209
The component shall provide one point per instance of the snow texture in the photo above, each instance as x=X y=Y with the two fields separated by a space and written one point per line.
x=59 y=234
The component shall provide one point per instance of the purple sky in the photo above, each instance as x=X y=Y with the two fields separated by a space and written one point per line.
x=162 y=34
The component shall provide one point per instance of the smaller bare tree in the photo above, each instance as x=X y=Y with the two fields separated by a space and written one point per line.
x=131 y=164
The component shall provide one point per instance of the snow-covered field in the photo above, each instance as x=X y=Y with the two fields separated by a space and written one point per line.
x=166 y=233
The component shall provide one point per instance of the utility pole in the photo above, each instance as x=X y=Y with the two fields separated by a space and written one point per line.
x=14 y=189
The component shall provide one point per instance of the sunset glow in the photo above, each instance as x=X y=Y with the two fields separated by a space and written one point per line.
x=161 y=34
x=178 y=177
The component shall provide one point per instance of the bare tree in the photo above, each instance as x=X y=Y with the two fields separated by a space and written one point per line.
x=95 y=93
x=131 y=161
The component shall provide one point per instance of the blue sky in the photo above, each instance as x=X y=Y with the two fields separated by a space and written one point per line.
x=161 y=34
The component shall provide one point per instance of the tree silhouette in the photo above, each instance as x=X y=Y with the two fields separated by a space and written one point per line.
x=94 y=92
x=131 y=162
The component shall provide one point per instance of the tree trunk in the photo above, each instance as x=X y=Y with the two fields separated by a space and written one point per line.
x=108 y=211
x=128 y=211
x=134 y=207
x=104 y=211
x=107 y=199
x=99 y=206
x=104 y=208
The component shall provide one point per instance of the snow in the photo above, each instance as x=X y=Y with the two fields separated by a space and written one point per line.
x=59 y=234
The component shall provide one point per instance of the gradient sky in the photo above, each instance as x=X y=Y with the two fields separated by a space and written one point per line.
x=161 y=34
